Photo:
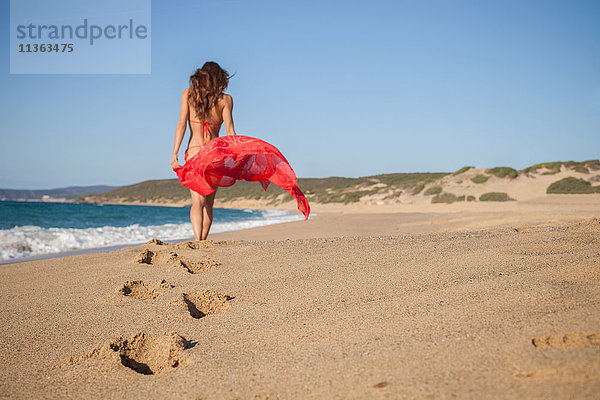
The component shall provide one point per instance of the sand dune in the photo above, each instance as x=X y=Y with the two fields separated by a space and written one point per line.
x=408 y=189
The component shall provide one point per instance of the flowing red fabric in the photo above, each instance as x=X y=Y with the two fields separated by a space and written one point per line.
x=224 y=160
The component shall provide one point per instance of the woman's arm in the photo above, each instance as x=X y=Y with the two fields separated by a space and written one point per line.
x=184 y=114
x=228 y=115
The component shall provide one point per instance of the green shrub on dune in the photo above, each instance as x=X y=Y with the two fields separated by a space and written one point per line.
x=471 y=198
x=354 y=197
x=555 y=166
x=462 y=170
x=337 y=196
x=593 y=164
x=393 y=195
x=502 y=172
x=572 y=185
x=480 y=178
x=407 y=180
x=433 y=190
x=495 y=196
x=418 y=189
x=444 y=198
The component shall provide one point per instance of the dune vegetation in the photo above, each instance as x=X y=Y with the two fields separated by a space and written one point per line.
x=374 y=189
x=555 y=166
x=480 y=179
x=462 y=170
x=572 y=185
x=446 y=198
x=319 y=190
x=433 y=190
x=495 y=196
x=502 y=172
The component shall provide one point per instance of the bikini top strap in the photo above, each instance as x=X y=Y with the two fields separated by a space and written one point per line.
x=205 y=128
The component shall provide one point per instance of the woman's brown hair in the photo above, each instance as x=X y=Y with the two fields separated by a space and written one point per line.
x=206 y=86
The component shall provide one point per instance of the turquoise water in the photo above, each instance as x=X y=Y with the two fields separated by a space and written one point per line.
x=38 y=228
x=67 y=215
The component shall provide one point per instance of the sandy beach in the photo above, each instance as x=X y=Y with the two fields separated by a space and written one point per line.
x=417 y=301
x=402 y=200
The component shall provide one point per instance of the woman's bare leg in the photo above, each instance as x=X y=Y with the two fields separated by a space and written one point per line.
x=197 y=214
x=208 y=214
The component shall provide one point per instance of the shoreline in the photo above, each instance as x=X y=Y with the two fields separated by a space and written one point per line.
x=114 y=247
x=78 y=252
x=347 y=220
x=235 y=205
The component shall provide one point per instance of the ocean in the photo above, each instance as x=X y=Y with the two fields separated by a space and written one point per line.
x=30 y=229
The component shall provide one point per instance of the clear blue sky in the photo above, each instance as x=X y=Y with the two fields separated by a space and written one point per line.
x=347 y=88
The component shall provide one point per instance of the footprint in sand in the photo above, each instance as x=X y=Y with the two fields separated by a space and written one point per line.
x=194 y=244
x=144 y=353
x=177 y=262
x=573 y=372
x=573 y=339
x=157 y=242
x=203 y=303
x=150 y=257
x=145 y=257
x=144 y=291
x=204 y=244
x=566 y=373
x=195 y=267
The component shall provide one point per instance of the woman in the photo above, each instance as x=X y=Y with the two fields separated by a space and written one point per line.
x=205 y=107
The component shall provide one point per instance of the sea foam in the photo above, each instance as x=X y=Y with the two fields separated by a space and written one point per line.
x=27 y=241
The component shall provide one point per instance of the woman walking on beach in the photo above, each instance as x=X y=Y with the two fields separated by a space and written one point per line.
x=205 y=107
x=211 y=161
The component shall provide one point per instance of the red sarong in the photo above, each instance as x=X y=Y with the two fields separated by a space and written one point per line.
x=224 y=160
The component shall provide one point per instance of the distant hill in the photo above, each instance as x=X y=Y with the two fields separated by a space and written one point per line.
x=468 y=184
x=320 y=190
x=67 y=193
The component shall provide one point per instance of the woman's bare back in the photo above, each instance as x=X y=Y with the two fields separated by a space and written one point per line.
x=198 y=126
x=204 y=130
